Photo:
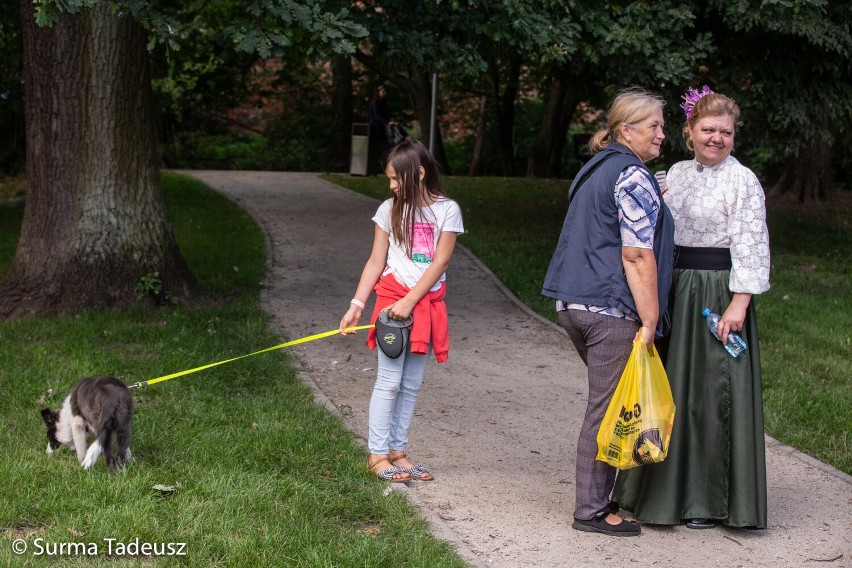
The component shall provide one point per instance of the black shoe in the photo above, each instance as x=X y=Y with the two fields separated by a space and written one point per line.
x=598 y=524
x=701 y=523
x=613 y=507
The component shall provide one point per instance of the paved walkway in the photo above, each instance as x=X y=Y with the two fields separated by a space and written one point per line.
x=498 y=422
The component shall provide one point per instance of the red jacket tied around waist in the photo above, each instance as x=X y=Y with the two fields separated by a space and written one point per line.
x=430 y=317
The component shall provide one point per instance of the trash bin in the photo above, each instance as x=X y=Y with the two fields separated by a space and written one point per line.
x=360 y=149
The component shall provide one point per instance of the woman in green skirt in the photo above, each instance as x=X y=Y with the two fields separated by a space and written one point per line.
x=715 y=470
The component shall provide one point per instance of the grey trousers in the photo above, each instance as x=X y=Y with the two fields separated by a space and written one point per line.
x=604 y=343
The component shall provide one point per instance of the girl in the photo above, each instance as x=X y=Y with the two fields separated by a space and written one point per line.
x=415 y=235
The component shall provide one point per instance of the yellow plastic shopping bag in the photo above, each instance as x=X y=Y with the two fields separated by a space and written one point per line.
x=637 y=426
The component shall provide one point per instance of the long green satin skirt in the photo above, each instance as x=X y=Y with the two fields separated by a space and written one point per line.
x=716 y=463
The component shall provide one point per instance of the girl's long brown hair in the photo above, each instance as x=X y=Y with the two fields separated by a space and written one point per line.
x=413 y=194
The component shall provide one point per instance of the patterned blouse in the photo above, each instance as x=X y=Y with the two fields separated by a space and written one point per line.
x=723 y=206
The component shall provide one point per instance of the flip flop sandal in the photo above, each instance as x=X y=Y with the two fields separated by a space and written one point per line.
x=388 y=473
x=420 y=473
x=417 y=472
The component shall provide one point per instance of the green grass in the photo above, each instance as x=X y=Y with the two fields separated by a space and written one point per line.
x=805 y=325
x=263 y=476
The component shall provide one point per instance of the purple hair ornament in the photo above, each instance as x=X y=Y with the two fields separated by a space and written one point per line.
x=691 y=97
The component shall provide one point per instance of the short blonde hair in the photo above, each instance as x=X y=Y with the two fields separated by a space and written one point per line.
x=630 y=106
x=712 y=104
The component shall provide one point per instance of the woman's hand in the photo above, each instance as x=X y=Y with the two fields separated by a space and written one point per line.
x=734 y=317
x=647 y=335
x=350 y=319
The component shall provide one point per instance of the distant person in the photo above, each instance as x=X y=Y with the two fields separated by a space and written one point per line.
x=414 y=239
x=715 y=470
x=610 y=276
x=378 y=121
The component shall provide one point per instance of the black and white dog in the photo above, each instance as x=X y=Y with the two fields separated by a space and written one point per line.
x=101 y=405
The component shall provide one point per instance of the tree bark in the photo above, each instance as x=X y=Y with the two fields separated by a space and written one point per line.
x=569 y=108
x=568 y=89
x=94 y=220
x=505 y=94
x=342 y=102
x=418 y=86
x=475 y=168
x=539 y=163
x=808 y=175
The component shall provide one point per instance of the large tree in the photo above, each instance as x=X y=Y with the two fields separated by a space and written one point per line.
x=614 y=50
x=792 y=64
x=94 y=223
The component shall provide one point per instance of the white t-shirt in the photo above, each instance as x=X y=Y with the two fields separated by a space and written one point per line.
x=442 y=216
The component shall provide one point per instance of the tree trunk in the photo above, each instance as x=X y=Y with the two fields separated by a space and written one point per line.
x=94 y=221
x=809 y=175
x=479 y=144
x=565 y=94
x=418 y=86
x=342 y=108
x=539 y=161
x=560 y=137
x=505 y=108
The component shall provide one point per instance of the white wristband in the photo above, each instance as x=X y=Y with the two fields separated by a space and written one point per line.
x=358 y=303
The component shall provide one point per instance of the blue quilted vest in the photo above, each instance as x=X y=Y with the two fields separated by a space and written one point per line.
x=586 y=267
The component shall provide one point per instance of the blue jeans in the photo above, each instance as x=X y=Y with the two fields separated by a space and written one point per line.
x=392 y=403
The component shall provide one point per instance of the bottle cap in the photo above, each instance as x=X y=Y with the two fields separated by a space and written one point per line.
x=705 y=311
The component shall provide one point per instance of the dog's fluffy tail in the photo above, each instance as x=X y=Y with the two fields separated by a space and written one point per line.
x=94 y=451
x=113 y=429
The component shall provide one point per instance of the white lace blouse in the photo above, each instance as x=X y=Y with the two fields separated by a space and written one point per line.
x=722 y=206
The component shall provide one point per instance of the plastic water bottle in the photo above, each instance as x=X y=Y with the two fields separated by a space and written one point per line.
x=735 y=345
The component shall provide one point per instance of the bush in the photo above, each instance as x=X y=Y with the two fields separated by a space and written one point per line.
x=196 y=150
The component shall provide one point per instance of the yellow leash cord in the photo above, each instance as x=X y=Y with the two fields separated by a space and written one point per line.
x=143 y=384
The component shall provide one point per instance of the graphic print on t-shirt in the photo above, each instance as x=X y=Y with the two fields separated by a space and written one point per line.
x=423 y=243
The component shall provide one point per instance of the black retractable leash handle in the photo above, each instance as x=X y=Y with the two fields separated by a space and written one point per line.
x=392 y=335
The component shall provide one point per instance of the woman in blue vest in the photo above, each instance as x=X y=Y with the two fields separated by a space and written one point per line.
x=610 y=276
